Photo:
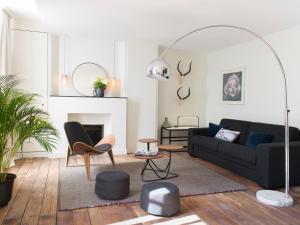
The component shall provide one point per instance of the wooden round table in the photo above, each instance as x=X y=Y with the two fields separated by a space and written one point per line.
x=170 y=148
x=148 y=141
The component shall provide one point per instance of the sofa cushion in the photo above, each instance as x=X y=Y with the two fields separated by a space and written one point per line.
x=227 y=135
x=206 y=142
x=256 y=138
x=237 y=151
x=277 y=131
x=213 y=129
x=237 y=125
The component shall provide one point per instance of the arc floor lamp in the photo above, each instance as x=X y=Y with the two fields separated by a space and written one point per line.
x=159 y=69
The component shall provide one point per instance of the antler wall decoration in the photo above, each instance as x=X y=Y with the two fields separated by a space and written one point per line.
x=183 y=98
x=181 y=75
x=186 y=73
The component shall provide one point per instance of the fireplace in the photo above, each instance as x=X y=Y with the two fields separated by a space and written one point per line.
x=109 y=112
x=95 y=131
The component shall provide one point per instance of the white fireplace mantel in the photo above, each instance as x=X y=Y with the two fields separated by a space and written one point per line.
x=108 y=111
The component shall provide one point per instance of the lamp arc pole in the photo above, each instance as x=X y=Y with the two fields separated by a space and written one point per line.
x=159 y=69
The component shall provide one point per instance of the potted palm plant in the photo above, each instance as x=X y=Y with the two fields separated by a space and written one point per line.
x=100 y=85
x=20 y=119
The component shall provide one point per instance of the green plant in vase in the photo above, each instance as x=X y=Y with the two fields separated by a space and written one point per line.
x=99 y=86
x=20 y=119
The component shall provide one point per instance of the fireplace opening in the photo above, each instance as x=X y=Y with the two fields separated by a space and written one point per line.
x=95 y=131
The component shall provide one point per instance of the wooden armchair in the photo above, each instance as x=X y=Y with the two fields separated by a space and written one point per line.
x=81 y=144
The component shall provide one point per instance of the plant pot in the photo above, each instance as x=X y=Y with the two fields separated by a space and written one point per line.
x=6 y=188
x=99 y=92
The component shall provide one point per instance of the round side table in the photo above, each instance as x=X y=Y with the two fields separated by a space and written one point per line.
x=151 y=166
x=148 y=141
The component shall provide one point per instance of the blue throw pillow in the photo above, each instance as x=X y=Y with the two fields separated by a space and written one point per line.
x=256 y=138
x=213 y=129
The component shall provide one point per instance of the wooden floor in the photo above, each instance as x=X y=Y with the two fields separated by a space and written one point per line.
x=35 y=196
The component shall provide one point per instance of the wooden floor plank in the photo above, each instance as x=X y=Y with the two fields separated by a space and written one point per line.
x=65 y=218
x=115 y=214
x=49 y=205
x=278 y=212
x=81 y=217
x=203 y=207
x=16 y=211
x=33 y=209
x=259 y=214
x=234 y=209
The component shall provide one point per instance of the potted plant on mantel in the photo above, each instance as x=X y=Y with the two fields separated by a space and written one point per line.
x=20 y=119
x=100 y=85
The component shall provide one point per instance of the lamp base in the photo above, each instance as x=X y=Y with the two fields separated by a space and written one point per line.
x=274 y=198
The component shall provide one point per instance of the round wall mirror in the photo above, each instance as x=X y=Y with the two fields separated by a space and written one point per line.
x=84 y=75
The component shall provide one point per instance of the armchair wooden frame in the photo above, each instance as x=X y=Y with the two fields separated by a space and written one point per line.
x=80 y=148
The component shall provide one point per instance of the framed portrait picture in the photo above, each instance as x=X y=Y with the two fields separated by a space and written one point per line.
x=233 y=86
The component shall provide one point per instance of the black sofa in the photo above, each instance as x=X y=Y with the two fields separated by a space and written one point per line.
x=265 y=164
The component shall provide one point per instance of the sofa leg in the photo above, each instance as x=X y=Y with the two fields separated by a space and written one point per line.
x=86 y=157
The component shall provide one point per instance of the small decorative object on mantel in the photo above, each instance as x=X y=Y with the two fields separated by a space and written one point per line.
x=182 y=75
x=99 y=86
x=166 y=123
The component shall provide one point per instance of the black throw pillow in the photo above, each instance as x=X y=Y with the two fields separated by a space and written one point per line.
x=256 y=138
x=213 y=129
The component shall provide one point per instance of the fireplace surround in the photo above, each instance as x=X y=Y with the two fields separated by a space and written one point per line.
x=110 y=112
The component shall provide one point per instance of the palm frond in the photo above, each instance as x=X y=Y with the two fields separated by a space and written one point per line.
x=21 y=119
x=8 y=82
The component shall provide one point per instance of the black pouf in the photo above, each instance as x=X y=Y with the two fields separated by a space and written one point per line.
x=160 y=198
x=112 y=185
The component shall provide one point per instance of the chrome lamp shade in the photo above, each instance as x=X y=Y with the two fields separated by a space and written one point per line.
x=159 y=69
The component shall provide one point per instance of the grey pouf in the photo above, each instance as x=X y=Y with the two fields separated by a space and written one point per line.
x=112 y=185
x=160 y=198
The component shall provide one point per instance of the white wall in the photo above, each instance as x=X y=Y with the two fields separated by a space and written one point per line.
x=80 y=50
x=142 y=94
x=264 y=98
x=168 y=103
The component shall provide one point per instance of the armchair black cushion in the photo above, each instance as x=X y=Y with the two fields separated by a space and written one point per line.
x=263 y=164
x=76 y=133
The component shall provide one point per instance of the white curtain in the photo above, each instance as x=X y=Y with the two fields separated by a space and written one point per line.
x=4 y=47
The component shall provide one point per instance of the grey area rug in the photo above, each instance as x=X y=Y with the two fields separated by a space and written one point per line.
x=75 y=191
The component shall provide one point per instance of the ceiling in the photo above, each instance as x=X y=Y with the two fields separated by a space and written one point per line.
x=22 y=8
x=162 y=21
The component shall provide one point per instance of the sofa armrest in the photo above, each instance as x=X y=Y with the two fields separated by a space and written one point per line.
x=192 y=132
x=271 y=164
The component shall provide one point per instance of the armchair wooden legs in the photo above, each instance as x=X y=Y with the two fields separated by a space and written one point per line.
x=111 y=156
x=68 y=156
x=87 y=163
x=86 y=156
